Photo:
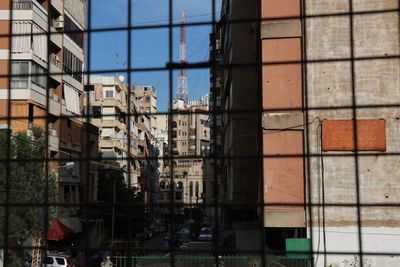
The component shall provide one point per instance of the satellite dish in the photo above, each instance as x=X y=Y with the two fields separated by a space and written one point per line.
x=121 y=78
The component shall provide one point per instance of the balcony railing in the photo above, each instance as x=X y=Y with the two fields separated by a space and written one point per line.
x=22 y=4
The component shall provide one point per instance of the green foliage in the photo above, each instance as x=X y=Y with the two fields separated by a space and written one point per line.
x=23 y=172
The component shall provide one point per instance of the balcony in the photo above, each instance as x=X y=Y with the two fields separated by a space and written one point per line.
x=56 y=38
x=114 y=123
x=30 y=10
x=72 y=81
x=53 y=140
x=54 y=106
x=58 y=5
x=111 y=143
x=113 y=102
x=22 y=4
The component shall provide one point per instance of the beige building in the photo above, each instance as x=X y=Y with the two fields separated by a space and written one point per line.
x=189 y=141
x=108 y=99
x=146 y=99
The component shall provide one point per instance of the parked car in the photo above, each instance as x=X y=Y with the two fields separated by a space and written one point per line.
x=184 y=235
x=205 y=234
x=57 y=260
x=183 y=231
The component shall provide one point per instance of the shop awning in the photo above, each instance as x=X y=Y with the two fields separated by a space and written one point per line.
x=72 y=223
x=58 y=231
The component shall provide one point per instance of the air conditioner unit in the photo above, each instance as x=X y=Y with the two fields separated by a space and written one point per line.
x=53 y=132
x=59 y=24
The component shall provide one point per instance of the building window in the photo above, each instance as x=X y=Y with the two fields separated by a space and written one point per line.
x=197 y=189
x=162 y=185
x=73 y=31
x=178 y=195
x=109 y=93
x=96 y=112
x=179 y=186
x=72 y=65
x=39 y=75
x=19 y=68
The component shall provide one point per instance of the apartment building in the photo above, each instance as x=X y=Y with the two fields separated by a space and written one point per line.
x=213 y=161
x=126 y=122
x=234 y=98
x=119 y=133
x=189 y=142
x=41 y=82
x=317 y=183
x=146 y=98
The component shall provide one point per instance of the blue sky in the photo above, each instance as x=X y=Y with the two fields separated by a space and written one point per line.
x=149 y=47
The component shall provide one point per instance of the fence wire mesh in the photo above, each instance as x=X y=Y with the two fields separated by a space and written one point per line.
x=289 y=160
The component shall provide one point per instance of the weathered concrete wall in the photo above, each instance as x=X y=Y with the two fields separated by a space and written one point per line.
x=329 y=88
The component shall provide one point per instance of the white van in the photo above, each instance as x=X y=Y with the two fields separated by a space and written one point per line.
x=57 y=261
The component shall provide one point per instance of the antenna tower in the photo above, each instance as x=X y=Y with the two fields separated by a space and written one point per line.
x=182 y=80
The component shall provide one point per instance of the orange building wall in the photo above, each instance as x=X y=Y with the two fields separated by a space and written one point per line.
x=280 y=8
x=282 y=82
x=4 y=31
x=4 y=4
x=338 y=135
x=19 y=116
x=4 y=74
x=283 y=163
x=283 y=176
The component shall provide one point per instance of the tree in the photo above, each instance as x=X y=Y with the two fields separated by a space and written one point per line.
x=129 y=219
x=23 y=173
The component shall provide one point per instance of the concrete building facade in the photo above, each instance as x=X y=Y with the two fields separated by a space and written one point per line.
x=146 y=98
x=108 y=100
x=190 y=135
x=352 y=92
x=319 y=75
x=41 y=83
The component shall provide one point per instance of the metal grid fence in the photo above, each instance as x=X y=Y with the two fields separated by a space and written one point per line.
x=13 y=161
